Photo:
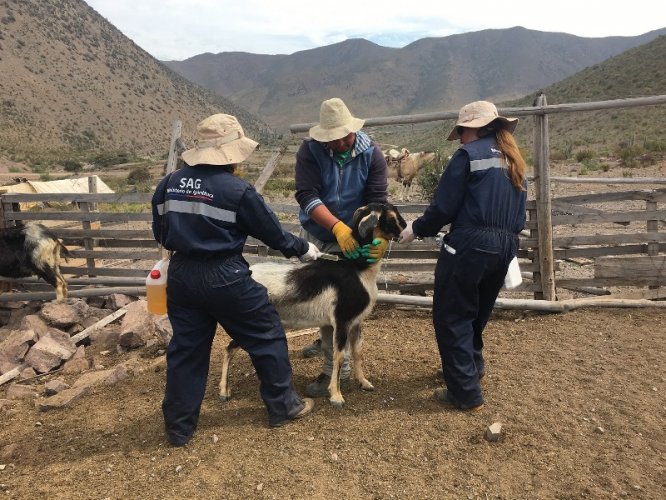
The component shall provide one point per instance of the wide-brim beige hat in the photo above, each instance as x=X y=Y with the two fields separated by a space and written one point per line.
x=335 y=121
x=478 y=114
x=219 y=141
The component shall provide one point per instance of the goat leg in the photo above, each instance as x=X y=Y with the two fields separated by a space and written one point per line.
x=227 y=355
x=356 y=341
x=336 y=398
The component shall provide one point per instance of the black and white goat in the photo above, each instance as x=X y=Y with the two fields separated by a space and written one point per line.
x=328 y=294
x=30 y=250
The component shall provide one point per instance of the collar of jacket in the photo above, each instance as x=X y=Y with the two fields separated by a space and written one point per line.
x=361 y=143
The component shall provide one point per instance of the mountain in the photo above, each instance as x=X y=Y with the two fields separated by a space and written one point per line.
x=72 y=82
x=637 y=72
x=427 y=75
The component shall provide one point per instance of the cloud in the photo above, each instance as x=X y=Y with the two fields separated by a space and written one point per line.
x=173 y=29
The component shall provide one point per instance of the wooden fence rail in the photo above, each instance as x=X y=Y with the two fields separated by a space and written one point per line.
x=618 y=247
x=123 y=254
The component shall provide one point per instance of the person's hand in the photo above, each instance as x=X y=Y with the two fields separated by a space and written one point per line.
x=407 y=235
x=376 y=249
x=313 y=253
x=348 y=245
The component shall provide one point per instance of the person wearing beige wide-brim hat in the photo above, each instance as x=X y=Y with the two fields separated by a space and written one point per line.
x=220 y=140
x=478 y=114
x=338 y=169
x=482 y=195
x=204 y=214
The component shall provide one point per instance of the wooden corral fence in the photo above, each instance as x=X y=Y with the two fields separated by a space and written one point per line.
x=114 y=250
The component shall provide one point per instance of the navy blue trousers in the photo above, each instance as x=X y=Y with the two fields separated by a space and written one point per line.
x=467 y=284
x=201 y=294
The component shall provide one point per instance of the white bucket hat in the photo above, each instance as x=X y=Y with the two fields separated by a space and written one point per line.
x=335 y=121
x=219 y=141
x=478 y=114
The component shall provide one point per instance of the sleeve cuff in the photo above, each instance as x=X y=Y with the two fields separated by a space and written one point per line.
x=312 y=205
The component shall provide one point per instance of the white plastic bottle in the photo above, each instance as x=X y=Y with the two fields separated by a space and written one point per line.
x=513 y=277
x=156 y=287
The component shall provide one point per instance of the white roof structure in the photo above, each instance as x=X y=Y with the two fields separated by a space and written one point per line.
x=73 y=185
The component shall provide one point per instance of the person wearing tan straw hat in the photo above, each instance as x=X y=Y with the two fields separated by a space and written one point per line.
x=204 y=214
x=338 y=169
x=482 y=194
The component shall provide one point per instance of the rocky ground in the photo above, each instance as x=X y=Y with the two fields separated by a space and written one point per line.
x=580 y=397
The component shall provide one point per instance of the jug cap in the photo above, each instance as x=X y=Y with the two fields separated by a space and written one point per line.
x=155 y=274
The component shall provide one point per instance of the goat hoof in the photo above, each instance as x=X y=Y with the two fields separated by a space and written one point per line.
x=337 y=404
x=224 y=398
x=368 y=387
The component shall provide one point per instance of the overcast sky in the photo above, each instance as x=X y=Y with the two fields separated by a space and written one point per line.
x=178 y=29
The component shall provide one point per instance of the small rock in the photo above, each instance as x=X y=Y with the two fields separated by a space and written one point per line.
x=9 y=451
x=599 y=430
x=260 y=487
x=493 y=432
x=179 y=468
x=334 y=457
x=215 y=439
x=55 y=386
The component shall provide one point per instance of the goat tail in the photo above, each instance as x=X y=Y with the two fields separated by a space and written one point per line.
x=64 y=251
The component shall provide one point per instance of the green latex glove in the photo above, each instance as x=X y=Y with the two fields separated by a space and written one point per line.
x=375 y=251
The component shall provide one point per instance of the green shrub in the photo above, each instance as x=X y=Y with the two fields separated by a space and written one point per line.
x=283 y=186
x=655 y=145
x=110 y=159
x=583 y=155
x=71 y=166
x=138 y=175
x=428 y=177
x=629 y=155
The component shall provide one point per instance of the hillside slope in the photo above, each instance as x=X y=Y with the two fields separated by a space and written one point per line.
x=638 y=72
x=73 y=82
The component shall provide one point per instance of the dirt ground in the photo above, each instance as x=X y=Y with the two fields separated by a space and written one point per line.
x=580 y=397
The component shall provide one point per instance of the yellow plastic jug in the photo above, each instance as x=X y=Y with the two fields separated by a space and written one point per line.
x=156 y=287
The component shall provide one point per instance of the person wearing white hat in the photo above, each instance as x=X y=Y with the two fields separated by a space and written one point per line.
x=482 y=194
x=204 y=214
x=338 y=169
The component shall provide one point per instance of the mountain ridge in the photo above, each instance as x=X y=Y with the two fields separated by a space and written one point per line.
x=428 y=74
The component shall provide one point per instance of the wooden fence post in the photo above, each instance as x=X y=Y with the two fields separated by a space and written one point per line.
x=172 y=160
x=88 y=207
x=268 y=169
x=543 y=204
x=652 y=227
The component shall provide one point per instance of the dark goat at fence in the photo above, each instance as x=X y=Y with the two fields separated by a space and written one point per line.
x=32 y=249
x=332 y=295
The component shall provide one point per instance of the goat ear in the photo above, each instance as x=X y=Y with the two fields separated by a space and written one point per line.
x=367 y=224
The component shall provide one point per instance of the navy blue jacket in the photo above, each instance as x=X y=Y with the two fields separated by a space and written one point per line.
x=320 y=180
x=204 y=211
x=475 y=192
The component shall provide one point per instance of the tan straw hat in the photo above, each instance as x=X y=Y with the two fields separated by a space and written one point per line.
x=335 y=121
x=219 y=141
x=478 y=114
